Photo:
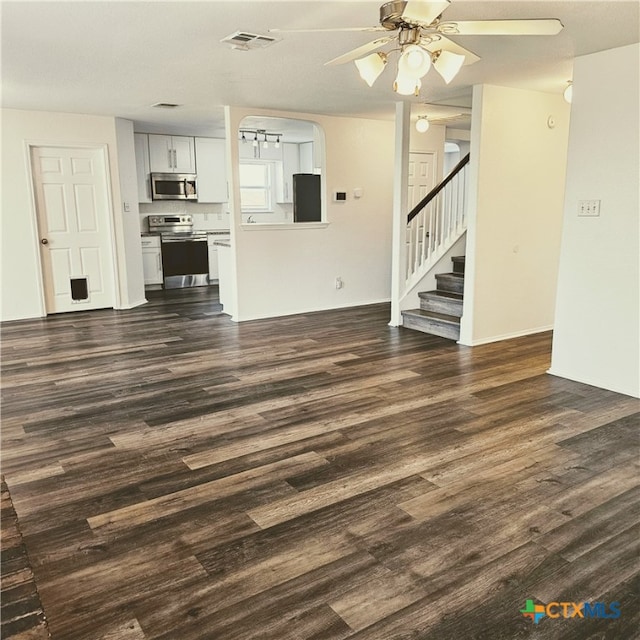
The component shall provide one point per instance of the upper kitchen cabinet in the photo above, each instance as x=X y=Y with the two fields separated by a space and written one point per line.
x=290 y=165
x=211 y=169
x=171 y=154
x=306 y=157
x=248 y=152
x=141 y=141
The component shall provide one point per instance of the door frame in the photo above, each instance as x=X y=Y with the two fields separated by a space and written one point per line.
x=103 y=149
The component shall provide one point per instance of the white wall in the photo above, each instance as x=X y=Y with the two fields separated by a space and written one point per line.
x=128 y=233
x=20 y=262
x=292 y=268
x=597 y=323
x=516 y=191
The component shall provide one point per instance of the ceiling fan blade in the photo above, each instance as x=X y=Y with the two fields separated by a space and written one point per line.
x=377 y=28
x=361 y=51
x=444 y=44
x=422 y=11
x=542 y=27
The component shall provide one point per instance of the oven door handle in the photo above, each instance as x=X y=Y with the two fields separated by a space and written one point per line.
x=170 y=240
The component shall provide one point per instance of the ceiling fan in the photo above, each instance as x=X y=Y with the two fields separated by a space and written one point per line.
x=421 y=33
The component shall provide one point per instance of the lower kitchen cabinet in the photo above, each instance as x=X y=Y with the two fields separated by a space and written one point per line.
x=151 y=260
x=214 y=268
x=213 y=259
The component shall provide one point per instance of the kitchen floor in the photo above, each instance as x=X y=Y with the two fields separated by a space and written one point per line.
x=320 y=476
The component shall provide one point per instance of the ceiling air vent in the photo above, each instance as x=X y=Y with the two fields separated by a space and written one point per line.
x=244 y=40
x=165 y=105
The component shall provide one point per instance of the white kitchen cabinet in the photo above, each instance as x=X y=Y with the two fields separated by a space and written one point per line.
x=270 y=153
x=290 y=165
x=248 y=152
x=141 y=142
x=213 y=258
x=151 y=260
x=171 y=154
x=211 y=168
x=306 y=157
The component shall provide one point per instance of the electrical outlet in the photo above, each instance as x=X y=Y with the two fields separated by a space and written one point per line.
x=589 y=208
x=339 y=283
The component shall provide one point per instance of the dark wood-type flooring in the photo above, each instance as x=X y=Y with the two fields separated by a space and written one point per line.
x=177 y=476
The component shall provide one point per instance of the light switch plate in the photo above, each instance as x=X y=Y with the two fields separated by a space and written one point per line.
x=589 y=208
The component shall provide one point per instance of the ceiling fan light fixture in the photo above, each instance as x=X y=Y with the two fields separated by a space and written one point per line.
x=371 y=66
x=422 y=124
x=447 y=64
x=568 y=92
x=414 y=61
x=406 y=85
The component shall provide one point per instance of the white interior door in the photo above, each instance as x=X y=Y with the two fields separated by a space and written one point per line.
x=72 y=206
x=422 y=176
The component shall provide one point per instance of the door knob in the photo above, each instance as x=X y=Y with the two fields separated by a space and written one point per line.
x=44 y=241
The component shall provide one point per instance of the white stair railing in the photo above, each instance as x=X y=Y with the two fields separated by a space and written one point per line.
x=436 y=223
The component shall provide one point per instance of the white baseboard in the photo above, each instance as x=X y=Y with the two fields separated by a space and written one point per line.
x=506 y=336
x=593 y=382
x=294 y=312
x=133 y=305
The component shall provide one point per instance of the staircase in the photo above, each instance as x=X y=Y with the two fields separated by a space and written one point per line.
x=440 y=310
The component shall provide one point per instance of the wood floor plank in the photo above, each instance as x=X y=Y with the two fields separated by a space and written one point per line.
x=321 y=476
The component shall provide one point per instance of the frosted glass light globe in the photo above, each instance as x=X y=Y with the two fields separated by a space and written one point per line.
x=414 y=62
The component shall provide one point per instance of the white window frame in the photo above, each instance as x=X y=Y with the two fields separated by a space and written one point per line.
x=269 y=188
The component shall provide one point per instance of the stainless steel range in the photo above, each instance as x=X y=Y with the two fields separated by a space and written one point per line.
x=185 y=259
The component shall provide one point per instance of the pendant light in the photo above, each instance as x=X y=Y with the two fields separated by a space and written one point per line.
x=568 y=92
x=277 y=145
x=255 y=140
x=422 y=124
x=265 y=144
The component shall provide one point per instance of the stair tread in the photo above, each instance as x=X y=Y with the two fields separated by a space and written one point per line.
x=439 y=293
x=452 y=273
x=443 y=317
x=459 y=258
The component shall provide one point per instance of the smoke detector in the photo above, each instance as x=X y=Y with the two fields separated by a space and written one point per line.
x=244 y=41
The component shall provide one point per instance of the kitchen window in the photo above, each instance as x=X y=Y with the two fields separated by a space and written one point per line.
x=256 y=187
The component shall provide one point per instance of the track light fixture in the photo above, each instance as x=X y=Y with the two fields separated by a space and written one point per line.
x=413 y=64
x=265 y=137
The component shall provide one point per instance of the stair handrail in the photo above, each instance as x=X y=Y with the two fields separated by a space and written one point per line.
x=437 y=189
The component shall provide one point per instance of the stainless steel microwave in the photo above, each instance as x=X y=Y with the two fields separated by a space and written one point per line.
x=174 y=186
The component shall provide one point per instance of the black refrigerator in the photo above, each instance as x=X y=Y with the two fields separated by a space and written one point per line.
x=306 y=198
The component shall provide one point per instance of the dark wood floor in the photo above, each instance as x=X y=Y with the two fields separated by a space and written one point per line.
x=324 y=476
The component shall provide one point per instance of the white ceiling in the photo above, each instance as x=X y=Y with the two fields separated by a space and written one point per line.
x=118 y=58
